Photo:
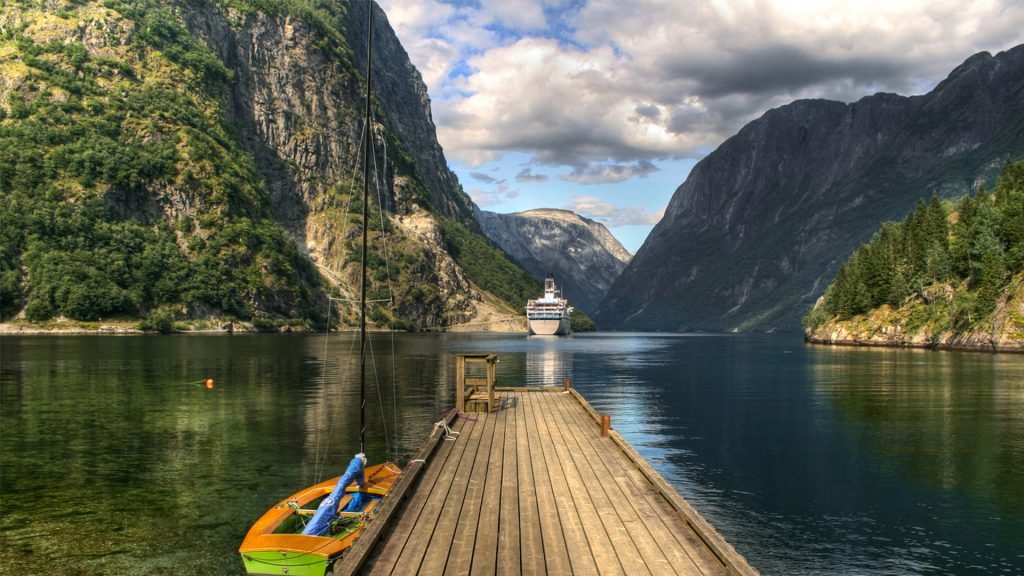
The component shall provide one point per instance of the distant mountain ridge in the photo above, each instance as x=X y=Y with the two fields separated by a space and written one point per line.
x=581 y=254
x=758 y=229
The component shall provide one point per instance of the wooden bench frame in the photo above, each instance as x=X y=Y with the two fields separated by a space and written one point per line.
x=476 y=397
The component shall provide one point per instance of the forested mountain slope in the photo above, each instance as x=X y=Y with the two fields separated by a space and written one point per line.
x=197 y=159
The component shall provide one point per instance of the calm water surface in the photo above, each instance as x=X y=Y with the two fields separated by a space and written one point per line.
x=810 y=460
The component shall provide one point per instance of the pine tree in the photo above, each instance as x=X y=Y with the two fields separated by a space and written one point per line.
x=988 y=259
x=1009 y=199
x=963 y=235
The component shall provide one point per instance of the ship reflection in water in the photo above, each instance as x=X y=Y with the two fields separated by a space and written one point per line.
x=548 y=366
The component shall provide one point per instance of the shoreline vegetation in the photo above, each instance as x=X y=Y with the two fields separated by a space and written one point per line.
x=950 y=276
x=133 y=326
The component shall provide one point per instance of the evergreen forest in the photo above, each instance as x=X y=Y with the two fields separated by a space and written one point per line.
x=958 y=258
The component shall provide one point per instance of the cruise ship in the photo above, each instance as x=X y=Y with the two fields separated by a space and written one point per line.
x=549 y=315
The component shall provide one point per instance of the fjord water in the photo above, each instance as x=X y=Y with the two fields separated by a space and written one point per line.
x=809 y=460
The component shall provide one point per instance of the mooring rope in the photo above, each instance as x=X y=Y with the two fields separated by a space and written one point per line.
x=449 y=434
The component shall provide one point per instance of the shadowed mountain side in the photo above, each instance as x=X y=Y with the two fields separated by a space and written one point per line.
x=761 y=225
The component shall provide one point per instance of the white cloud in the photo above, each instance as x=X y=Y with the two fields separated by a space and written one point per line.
x=611 y=215
x=599 y=85
x=561 y=104
x=496 y=195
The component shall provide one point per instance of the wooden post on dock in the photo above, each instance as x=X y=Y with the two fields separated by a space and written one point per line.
x=460 y=381
x=606 y=424
x=567 y=384
x=492 y=378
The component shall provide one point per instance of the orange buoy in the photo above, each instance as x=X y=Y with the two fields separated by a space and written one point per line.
x=209 y=383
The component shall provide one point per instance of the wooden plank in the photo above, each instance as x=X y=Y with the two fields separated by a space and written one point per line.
x=533 y=553
x=411 y=477
x=554 y=498
x=508 y=561
x=485 y=548
x=389 y=548
x=436 y=555
x=675 y=538
x=736 y=563
x=406 y=545
x=556 y=553
x=611 y=509
x=631 y=511
x=597 y=538
x=460 y=555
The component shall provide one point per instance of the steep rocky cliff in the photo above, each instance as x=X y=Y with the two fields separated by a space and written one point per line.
x=223 y=137
x=752 y=237
x=581 y=254
x=299 y=108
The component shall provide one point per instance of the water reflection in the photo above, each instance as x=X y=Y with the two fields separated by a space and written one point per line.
x=546 y=363
x=951 y=421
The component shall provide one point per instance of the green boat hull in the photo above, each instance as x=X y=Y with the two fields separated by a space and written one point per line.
x=287 y=564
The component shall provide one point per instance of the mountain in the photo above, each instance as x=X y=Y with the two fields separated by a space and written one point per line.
x=581 y=254
x=758 y=229
x=189 y=160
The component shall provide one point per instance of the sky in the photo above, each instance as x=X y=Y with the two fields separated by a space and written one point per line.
x=603 y=106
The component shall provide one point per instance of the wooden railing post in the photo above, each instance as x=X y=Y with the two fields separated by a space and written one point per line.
x=492 y=360
x=606 y=424
x=460 y=383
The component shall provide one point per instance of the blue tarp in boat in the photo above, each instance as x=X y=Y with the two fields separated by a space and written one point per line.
x=328 y=509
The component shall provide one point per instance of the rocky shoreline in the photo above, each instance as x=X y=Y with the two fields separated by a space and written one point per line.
x=888 y=328
x=1012 y=347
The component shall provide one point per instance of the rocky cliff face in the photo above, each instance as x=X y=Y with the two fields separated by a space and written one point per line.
x=581 y=254
x=761 y=225
x=300 y=111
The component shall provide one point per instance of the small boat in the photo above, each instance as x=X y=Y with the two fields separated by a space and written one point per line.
x=277 y=544
x=306 y=533
x=549 y=314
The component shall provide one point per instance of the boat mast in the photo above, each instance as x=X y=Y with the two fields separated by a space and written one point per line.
x=366 y=221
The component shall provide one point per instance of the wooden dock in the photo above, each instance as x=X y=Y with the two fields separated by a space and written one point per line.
x=536 y=487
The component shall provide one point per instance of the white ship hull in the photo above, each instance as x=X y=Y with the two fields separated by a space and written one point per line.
x=550 y=326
